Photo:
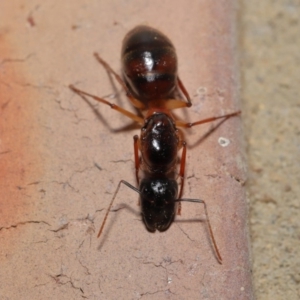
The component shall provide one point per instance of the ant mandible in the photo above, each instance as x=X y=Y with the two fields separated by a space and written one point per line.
x=150 y=80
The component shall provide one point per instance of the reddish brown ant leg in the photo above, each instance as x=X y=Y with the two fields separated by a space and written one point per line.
x=181 y=175
x=135 y=102
x=174 y=103
x=211 y=232
x=136 y=146
x=108 y=210
x=112 y=105
x=185 y=92
x=189 y=125
x=182 y=167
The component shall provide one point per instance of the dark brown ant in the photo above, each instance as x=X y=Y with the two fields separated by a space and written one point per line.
x=149 y=65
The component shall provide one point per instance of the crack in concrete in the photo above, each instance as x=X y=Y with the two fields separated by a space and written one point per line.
x=38 y=87
x=65 y=183
x=85 y=267
x=23 y=223
x=90 y=230
x=59 y=279
x=63 y=227
x=240 y=181
x=166 y=291
x=166 y=261
x=16 y=60
x=121 y=161
x=185 y=233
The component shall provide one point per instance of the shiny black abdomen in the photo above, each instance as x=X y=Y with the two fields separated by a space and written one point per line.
x=149 y=64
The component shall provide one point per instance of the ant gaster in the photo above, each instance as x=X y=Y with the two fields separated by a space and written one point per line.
x=151 y=83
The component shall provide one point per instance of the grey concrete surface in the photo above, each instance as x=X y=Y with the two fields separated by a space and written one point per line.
x=270 y=56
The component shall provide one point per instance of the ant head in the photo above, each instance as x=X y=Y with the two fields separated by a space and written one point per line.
x=158 y=202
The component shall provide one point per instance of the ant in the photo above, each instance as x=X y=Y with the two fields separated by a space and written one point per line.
x=150 y=80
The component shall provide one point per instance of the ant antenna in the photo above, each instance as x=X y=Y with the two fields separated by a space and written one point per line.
x=219 y=258
x=112 y=200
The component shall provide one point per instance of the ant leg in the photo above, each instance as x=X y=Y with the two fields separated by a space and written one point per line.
x=112 y=200
x=189 y=125
x=182 y=167
x=174 y=104
x=185 y=92
x=135 y=102
x=112 y=105
x=208 y=224
x=181 y=174
x=136 y=146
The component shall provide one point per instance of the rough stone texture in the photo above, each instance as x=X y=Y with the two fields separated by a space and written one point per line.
x=270 y=43
x=62 y=157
